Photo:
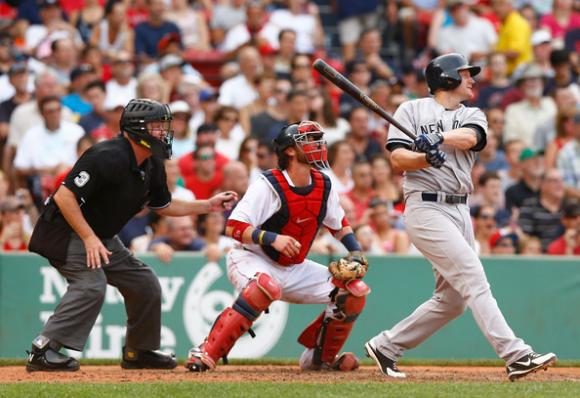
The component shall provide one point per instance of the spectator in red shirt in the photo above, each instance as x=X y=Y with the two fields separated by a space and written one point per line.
x=207 y=135
x=362 y=193
x=569 y=242
x=206 y=179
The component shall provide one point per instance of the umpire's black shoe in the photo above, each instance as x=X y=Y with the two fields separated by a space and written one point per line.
x=147 y=359
x=388 y=366
x=50 y=360
x=529 y=364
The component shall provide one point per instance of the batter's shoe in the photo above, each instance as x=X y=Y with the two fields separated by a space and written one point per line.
x=529 y=364
x=198 y=361
x=49 y=360
x=147 y=359
x=388 y=366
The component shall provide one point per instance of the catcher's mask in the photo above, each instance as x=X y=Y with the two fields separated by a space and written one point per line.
x=308 y=137
x=148 y=123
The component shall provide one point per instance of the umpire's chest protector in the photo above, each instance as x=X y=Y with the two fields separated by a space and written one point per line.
x=302 y=211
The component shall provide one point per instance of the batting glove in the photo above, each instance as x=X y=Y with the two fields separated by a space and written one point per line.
x=428 y=142
x=436 y=158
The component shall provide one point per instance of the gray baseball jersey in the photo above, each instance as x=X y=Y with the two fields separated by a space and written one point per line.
x=424 y=116
x=443 y=233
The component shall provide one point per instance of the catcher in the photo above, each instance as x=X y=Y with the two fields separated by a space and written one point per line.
x=275 y=223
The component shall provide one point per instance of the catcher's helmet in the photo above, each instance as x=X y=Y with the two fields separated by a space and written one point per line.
x=443 y=72
x=134 y=119
x=308 y=137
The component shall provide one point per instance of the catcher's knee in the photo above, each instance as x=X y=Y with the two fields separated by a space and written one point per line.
x=350 y=301
x=258 y=294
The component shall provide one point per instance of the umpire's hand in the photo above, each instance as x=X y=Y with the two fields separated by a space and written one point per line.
x=223 y=201
x=95 y=250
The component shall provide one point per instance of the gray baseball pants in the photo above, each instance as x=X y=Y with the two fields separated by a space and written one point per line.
x=443 y=233
x=74 y=317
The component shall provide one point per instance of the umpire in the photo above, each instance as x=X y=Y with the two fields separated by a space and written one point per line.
x=77 y=233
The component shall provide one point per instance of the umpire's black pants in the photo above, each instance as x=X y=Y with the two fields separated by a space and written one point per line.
x=74 y=317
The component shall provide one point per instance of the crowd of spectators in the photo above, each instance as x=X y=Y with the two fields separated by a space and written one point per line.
x=235 y=71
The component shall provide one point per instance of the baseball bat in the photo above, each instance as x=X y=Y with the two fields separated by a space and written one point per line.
x=348 y=87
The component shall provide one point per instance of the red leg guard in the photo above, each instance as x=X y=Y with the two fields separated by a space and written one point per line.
x=234 y=321
x=327 y=334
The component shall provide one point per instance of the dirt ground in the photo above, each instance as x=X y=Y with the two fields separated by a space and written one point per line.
x=282 y=374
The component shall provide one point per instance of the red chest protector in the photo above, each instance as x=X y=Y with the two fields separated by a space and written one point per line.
x=300 y=215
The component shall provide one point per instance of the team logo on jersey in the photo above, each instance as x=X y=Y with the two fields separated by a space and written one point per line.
x=82 y=179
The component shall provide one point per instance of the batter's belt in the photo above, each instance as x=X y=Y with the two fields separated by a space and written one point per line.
x=443 y=197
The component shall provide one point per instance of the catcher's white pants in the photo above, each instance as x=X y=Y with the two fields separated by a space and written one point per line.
x=304 y=283
x=444 y=234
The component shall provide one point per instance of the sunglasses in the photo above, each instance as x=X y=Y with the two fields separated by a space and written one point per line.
x=486 y=216
x=205 y=156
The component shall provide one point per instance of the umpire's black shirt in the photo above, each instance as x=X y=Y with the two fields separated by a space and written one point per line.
x=111 y=188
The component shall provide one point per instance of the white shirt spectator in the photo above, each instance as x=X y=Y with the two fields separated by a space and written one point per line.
x=25 y=117
x=477 y=36
x=237 y=92
x=304 y=25
x=41 y=148
x=7 y=90
x=521 y=119
x=126 y=92
x=337 y=184
x=182 y=194
x=231 y=146
x=239 y=35
x=181 y=146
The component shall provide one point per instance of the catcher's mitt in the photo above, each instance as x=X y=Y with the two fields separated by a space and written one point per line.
x=353 y=266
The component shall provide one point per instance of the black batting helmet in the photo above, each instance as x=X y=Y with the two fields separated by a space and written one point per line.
x=442 y=73
x=134 y=119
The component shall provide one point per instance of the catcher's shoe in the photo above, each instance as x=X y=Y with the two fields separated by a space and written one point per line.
x=387 y=365
x=147 y=359
x=344 y=362
x=50 y=360
x=198 y=361
x=529 y=364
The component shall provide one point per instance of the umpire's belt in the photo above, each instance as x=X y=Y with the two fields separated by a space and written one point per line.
x=443 y=197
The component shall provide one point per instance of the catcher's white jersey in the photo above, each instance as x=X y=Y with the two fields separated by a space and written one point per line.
x=261 y=201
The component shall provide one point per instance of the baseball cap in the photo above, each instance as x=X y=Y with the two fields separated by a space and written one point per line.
x=453 y=3
x=541 y=37
x=179 y=107
x=113 y=102
x=170 y=61
x=530 y=71
x=528 y=153
x=207 y=128
x=11 y=203
x=208 y=94
x=81 y=70
x=501 y=234
x=48 y=3
x=121 y=57
x=17 y=67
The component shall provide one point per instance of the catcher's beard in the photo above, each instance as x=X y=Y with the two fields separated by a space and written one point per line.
x=301 y=157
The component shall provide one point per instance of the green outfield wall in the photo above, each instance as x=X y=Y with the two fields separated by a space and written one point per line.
x=540 y=297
